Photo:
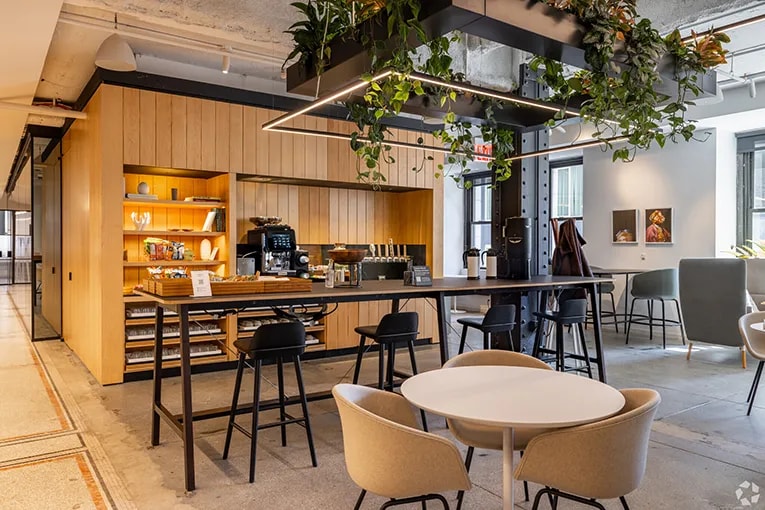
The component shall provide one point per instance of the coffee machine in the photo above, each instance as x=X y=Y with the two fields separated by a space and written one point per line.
x=274 y=250
x=517 y=248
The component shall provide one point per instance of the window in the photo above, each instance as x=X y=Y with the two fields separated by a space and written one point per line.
x=566 y=192
x=751 y=188
x=478 y=204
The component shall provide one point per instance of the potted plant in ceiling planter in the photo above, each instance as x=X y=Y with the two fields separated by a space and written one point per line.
x=619 y=91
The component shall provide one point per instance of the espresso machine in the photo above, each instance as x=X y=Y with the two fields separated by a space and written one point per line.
x=274 y=250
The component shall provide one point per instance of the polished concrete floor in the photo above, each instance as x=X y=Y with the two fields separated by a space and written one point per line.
x=703 y=446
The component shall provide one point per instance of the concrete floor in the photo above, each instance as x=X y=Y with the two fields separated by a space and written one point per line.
x=703 y=446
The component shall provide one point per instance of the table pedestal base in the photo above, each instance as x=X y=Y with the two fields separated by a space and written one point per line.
x=508 y=489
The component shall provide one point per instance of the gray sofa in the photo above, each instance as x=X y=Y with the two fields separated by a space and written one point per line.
x=713 y=298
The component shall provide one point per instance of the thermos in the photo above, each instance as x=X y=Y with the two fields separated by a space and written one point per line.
x=472 y=259
x=491 y=263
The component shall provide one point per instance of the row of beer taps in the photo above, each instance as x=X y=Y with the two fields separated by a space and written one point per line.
x=387 y=252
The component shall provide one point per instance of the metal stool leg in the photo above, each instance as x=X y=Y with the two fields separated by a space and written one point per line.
x=410 y=345
x=381 y=367
x=486 y=345
x=559 y=362
x=650 y=319
x=680 y=319
x=463 y=339
x=629 y=320
x=234 y=402
x=280 y=383
x=359 y=357
x=613 y=309
x=663 y=325
x=586 y=354
x=391 y=365
x=304 y=405
x=255 y=416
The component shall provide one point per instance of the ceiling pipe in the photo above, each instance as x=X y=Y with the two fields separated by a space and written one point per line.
x=146 y=34
x=43 y=110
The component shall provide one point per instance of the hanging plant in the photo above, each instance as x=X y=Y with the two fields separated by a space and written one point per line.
x=328 y=20
x=619 y=90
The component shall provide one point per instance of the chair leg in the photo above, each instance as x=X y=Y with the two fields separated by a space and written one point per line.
x=410 y=345
x=463 y=339
x=234 y=402
x=280 y=383
x=743 y=358
x=754 y=381
x=525 y=484
x=663 y=326
x=538 y=338
x=755 y=384
x=650 y=319
x=468 y=461
x=304 y=405
x=391 y=365
x=559 y=363
x=486 y=345
x=255 y=415
x=381 y=367
x=359 y=357
x=584 y=350
x=629 y=320
x=688 y=356
x=613 y=310
x=680 y=319
x=624 y=503
x=360 y=500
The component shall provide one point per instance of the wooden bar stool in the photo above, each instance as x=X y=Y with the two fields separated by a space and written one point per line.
x=394 y=329
x=499 y=319
x=571 y=312
x=283 y=342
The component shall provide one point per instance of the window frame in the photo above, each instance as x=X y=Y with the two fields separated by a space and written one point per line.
x=563 y=163
x=486 y=180
x=749 y=145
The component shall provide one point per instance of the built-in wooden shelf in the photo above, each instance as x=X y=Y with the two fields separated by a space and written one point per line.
x=198 y=263
x=171 y=233
x=148 y=321
x=146 y=366
x=149 y=344
x=181 y=204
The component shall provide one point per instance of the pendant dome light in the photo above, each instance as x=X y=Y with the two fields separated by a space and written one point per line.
x=115 y=54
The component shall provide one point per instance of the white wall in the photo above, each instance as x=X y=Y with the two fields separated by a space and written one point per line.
x=454 y=227
x=696 y=179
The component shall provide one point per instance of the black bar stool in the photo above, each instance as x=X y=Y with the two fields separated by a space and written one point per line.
x=499 y=319
x=606 y=318
x=284 y=341
x=394 y=329
x=570 y=312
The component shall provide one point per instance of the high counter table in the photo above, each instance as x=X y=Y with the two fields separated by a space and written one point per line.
x=375 y=290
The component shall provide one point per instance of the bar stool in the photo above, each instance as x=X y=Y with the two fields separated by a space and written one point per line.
x=570 y=312
x=283 y=342
x=658 y=285
x=603 y=289
x=394 y=329
x=499 y=319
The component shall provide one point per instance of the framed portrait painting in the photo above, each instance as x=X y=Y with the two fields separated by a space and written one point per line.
x=624 y=226
x=658 y=226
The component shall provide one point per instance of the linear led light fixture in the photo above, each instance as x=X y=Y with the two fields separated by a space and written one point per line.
x=276 y=125
x=583 y=145
x=728 y=27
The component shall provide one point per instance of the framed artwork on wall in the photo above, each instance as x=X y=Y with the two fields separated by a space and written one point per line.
x=624 y=226
x=658 y=228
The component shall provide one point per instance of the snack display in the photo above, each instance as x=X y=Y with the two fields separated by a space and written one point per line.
x=162 y=249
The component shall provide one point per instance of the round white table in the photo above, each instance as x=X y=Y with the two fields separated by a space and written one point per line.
x=508 y=397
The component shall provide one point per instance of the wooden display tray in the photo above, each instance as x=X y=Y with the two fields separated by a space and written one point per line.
x=177 y=287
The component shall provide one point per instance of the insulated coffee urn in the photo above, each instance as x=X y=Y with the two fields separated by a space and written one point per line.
x=518 y=248
x=472 y=260
x=491 y=263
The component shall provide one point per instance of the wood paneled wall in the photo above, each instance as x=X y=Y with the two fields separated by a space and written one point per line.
x=92 y=244
x=183 y=132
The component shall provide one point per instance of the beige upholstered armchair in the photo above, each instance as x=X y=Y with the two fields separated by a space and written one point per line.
x=482 y=436
x=387 y=455
x=601 y=460
x=754 y=340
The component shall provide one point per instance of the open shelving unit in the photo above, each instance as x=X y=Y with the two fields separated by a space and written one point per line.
x=247 y=321
x=177 y=221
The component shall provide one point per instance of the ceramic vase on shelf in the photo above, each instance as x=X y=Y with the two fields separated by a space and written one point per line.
x=141 y=221
x=205 y=249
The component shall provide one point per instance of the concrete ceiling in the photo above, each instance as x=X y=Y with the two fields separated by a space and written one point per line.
x=254 y=27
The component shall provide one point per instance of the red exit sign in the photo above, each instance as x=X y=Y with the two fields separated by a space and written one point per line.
x=482 y=152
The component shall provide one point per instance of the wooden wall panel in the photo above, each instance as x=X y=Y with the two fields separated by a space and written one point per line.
x=236 y=139
x=164 y=130
x=193 y=133
x=208 y=135
x=131 y=126
x=147 y=115
x=222 y=137
x=179 y=121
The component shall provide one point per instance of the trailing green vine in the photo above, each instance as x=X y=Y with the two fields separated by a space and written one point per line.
x=620 y=87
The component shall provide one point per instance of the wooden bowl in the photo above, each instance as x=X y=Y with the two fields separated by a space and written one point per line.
x=347 y=256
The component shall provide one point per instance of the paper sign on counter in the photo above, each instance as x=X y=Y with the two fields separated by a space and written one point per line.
x=200 y=282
